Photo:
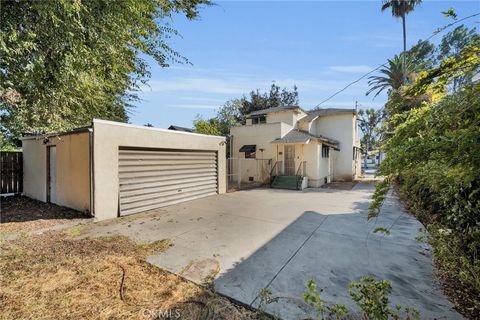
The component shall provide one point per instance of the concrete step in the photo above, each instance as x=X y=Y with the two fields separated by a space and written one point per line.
x=286 y=182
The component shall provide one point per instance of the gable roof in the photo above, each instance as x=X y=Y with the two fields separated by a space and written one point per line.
x=313 y=114
x=274 y=109
x=297 y=136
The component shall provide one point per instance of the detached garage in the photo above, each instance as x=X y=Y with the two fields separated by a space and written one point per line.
x=113 y=169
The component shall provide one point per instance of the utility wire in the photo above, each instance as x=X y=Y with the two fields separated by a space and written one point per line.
x=383 y=65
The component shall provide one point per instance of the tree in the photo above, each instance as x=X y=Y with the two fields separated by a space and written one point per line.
x=275 y=98
x=368 y=122
x=229 y=115
x=422 y=53
x=401 y=8
x=452 y=45
x=210 y=126
x=392 y=75
x=65 y=62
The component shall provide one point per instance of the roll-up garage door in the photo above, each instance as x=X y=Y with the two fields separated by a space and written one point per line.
x=150 y=179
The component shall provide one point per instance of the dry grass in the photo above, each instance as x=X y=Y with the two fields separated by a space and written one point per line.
x=53 y=276
x=22 y=214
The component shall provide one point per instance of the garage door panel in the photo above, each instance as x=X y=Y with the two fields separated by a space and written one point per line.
x=164 y=194
x=163 y=188
x=129 y=175
x=166 y=203
x=139 y=155
x=163 y=162
x=151 y=179
x=167 y=167
x=147 y=184
x=160 y=202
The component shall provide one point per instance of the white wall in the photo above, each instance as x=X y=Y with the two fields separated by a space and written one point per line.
x=72 y=169
x=289 y=116
x=109 y=136
x=341 y=127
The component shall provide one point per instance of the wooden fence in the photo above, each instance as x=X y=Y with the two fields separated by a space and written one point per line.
x=12 y=172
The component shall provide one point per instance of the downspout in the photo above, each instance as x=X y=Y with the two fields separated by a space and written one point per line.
x=92 y=185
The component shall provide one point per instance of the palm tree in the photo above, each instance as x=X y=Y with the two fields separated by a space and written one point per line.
x=392 y=77
x=400 y=8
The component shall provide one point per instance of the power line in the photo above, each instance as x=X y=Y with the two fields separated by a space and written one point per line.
x=383 y=65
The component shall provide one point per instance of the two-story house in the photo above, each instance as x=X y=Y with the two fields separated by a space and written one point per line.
x=319 y=146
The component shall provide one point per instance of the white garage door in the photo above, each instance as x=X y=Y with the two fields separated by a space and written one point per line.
x=150 y=179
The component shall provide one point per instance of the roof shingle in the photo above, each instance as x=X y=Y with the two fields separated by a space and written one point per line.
x=297 y=136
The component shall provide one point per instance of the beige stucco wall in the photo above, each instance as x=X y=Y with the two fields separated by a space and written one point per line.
x=109 y=136
x=72 y=169
x=260 y=135
x=340 y=127
x=289 y=117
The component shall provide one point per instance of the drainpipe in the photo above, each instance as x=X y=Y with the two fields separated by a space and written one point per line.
x=90 y=154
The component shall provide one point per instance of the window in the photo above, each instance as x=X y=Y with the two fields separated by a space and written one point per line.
x=261 y=119
x=249 y=155
x=325 y=151
x=249 y=150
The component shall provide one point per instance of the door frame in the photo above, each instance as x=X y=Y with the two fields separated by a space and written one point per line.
x=48 y=172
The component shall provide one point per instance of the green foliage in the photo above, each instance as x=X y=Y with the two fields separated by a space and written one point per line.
x=400 y=8
x=422 y=53
x=66 y=62
x=229 y=115
x=233 y=112
x=391 y=75
x=381 y=190
x=450 y=13
x=383 y=230
x=371 y=297
x=312 y=297
x=6 y=144
x=338 y=311
x=274 y=98
x=210 y=126
x=433 y=153
x=368 y=122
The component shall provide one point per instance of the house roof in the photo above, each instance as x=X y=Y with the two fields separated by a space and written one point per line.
x=178 y=128
x=297 y=136
x=313 y=114
x=275 y=109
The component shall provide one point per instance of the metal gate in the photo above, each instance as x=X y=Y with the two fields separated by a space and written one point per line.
x=150 y=179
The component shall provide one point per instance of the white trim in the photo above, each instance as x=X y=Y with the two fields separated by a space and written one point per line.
x=121 y=124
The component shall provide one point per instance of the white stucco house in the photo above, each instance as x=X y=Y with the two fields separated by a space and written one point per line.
x=306 y=148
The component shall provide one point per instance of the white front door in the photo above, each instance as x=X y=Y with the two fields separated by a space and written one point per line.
x=52 y=175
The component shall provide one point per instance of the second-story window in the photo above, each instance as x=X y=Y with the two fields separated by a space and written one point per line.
x=262 y=119
x=325 y=151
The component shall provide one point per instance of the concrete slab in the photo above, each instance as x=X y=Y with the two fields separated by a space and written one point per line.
x=279 y=239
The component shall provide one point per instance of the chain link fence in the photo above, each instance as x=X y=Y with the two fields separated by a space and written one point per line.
x=248 y=173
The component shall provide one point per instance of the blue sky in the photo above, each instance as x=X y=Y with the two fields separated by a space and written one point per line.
x=238 y=46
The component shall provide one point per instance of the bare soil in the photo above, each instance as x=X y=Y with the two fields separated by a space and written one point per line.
x=23 y=214
x=55 y=276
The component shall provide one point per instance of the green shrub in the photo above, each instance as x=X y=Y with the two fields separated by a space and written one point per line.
x=381 y=190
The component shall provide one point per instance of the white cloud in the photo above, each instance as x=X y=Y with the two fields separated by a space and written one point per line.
x=352 y=69
x=236 y=86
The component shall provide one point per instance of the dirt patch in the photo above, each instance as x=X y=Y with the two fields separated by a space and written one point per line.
x=53 y=276
x=23 y=214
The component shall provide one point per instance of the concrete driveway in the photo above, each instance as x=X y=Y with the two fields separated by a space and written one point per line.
x=279 y=239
